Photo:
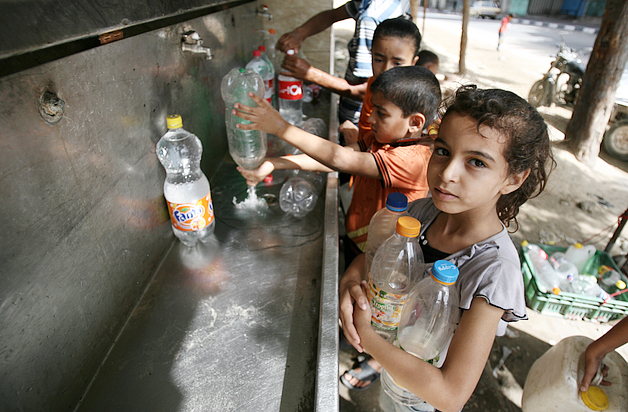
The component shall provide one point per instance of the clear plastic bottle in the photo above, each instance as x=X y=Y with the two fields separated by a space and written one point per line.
x=397 y=266
x=579 y=254
x=298 y=196
x=269 y=76
x=291 y=98
x=383 y=225
x=269 y=40
x=186 y=188
x=566 y=270
x=586 y=285
x=428 y=321
x=247 y=147
x=546 y=276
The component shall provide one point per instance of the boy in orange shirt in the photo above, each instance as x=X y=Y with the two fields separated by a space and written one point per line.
x=389 y=159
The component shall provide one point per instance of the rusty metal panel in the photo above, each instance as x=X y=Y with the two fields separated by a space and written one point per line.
x=82 y=212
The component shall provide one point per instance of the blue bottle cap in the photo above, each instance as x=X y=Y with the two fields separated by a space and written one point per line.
x=445 y=272
x=397 y=202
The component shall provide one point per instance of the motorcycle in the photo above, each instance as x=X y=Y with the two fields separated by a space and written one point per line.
x=562 y=82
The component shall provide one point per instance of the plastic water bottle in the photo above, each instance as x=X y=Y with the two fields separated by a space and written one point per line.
x=579 y=254
x=269 y=40
x=186 y=188
x=291 y=98
x=268 y=75
x=566 y=270
x=610 y=278
x=586 y=285
x=311 y=92
x=298 y=196
x=247 y=147
x=546 y=276
x=383 y=225
x=398 y=264
x=428 y=321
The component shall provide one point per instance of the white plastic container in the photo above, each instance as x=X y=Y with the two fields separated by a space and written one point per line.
x=579 y=254
x=553 y=382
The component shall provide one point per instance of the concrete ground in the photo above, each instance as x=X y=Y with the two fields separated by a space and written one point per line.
x=572 y=182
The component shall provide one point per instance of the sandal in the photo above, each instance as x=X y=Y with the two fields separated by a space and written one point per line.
x=366 y=374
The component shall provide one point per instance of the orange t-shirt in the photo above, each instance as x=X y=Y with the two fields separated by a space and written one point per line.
x=402 y=167
x=364 y=126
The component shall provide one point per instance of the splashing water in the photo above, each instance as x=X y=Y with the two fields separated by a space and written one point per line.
x=252 y=203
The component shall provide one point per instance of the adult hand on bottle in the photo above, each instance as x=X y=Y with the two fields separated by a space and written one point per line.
x=296 y=67
x=291 y=40
x=264 y=117
x=253 y=177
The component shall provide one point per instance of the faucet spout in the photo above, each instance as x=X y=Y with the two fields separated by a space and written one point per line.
x=263 y=11
x=193 y=43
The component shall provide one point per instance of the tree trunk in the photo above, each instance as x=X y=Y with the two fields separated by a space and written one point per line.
x=597 y=96
x=462 y=64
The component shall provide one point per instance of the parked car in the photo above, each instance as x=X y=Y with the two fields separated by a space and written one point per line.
x=484 y=9
x=615 y=140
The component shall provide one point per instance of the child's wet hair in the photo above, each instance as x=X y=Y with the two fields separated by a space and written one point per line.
x=414 y=89
x=528 y=140
x=400 y=27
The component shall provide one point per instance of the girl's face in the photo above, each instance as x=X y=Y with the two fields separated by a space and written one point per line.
x=388 y=52
x=467 y=170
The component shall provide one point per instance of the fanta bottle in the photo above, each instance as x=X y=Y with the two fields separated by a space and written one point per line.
x=186 y=188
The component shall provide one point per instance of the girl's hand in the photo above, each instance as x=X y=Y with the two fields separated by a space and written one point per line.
x=263 y=117
x=253 y=177
x=592 y=360
x=353 y=301
x=350 y=132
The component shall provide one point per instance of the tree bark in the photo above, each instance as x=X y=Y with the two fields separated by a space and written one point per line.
x=462 y=64
x=597 y=96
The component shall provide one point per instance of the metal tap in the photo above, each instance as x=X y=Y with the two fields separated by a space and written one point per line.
x=263 y=11
x=192 y=42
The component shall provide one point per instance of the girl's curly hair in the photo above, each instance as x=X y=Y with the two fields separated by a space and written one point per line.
x=528 y=140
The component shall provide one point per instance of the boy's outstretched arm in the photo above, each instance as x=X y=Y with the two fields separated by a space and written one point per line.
x=301 y=69
x=300 y=161
x=346 y=159
x=596 y=351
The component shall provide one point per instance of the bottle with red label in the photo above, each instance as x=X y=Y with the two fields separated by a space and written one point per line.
x=291 y=98
x=186 y=188
x=269 y=81
x=266 y=72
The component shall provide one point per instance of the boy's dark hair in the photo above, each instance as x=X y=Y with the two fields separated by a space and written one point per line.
x=400 y=27
x=528 y=140
x=414 y=89
x=427 y=57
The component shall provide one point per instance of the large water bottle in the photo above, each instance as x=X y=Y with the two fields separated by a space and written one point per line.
x=383 y=225
x=186 y=188
x=247 y=147
x=269 y=40
x=398 y=264
x=298 y=196
x=566 y=270
x=428 y=321
x=291 y=98
x=586 y=285
x=579 y=254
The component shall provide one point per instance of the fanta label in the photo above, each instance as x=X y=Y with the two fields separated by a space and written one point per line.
x=385 y=307
x=190 y=217
x=291 y=90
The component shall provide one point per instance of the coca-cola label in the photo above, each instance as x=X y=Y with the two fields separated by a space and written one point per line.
x=290 y=90
x=190 y=217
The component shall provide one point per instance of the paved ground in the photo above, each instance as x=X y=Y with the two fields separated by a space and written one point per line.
x=554 y=215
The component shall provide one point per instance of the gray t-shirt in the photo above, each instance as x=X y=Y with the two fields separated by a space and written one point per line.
x=490 y=269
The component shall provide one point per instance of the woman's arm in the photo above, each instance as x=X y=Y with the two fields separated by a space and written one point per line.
x=348 y=159
x=316 y=24
x=301 y=69
x=451 y=386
